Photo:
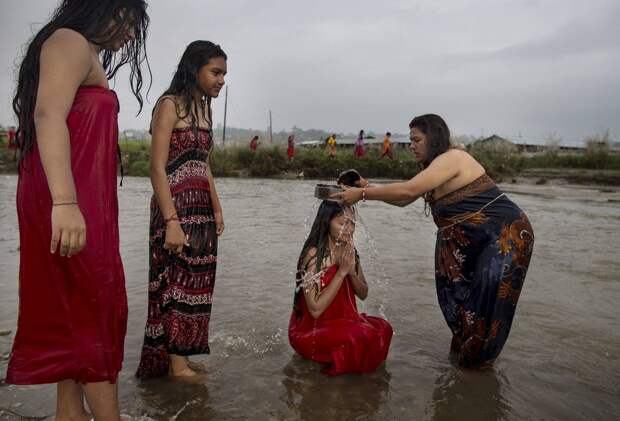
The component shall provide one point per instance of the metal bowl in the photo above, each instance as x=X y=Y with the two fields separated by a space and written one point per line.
x=324 y=191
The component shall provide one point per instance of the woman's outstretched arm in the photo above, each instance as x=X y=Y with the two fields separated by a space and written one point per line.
x=440 y=171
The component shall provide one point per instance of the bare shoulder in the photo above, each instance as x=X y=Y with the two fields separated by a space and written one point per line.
x=166 y=103
x=450 y=157
x=457 y=153
x=166 y=108
x=66 y=62
x=66 y=39
x=456 y=157
x=467 y=165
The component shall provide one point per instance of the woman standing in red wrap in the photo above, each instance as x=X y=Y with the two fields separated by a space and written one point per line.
x=73 y=306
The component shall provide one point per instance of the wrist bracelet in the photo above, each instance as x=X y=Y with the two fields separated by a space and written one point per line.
x=364 y=194
x=64 y=203
x=174 y=217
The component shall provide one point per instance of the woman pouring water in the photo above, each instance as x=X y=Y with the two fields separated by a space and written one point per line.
x=484 y=240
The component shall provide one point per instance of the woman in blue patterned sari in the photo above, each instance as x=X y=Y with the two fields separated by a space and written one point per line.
x=484 y=240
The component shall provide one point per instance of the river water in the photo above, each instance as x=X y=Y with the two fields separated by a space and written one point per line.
x=561 y=362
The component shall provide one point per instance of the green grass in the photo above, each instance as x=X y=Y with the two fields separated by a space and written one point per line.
x=271 y=161
x=587 y=160
x=313 y=163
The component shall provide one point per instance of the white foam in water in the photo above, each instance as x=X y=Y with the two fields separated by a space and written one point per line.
x=188 y=403
x=125 y=417
x=255 y=343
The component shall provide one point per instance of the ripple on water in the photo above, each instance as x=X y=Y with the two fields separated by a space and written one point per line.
x=561 y=361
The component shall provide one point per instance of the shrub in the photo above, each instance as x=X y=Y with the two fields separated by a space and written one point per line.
x=139 y=168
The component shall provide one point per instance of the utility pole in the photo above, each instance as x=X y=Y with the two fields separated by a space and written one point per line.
x=270 y=129
x=225 y=109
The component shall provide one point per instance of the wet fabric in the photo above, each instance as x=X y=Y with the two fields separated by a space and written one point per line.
x=331 y=145
x=72 y=311
x=290 y=150
x=387 y=148
x=341 y=338
x=181 y=285
x=359 y=147
x=483 y=249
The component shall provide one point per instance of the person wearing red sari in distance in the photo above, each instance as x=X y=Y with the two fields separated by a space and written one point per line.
x=290 y=149
x=325 y=325
x=254 y=144
x=72 y=302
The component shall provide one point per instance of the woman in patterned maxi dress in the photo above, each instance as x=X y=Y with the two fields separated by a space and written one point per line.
x=186 y=217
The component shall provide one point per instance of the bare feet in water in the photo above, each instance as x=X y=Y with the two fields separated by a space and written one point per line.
x=181 y=368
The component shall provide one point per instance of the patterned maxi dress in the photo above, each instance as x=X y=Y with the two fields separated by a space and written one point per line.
x=181 y=286
x=483 y=250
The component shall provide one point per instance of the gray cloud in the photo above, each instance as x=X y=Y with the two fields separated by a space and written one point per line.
x=597 y=32
x=506 y=66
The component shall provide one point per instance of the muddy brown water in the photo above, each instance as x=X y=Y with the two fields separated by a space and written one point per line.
x=561 y=362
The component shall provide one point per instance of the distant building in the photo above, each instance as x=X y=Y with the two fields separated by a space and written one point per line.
x=496 y=143
x=135 y=135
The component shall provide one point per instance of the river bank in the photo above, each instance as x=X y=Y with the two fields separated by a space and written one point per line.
x=580 y=168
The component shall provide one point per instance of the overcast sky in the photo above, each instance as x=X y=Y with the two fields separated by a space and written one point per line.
x=533 y=67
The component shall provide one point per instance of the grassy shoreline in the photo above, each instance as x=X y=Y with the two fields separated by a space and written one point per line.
x=598 y=167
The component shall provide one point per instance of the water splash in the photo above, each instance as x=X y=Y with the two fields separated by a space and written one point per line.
x=188 y=403
x=310 y=217
x=255 y=343
x=381 y=282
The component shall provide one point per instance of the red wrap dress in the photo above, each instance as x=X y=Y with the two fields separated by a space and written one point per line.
x=72 y=311
x=341 y=338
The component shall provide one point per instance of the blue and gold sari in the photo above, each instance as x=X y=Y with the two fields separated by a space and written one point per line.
x=483 y=250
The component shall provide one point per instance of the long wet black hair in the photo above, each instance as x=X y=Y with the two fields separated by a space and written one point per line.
x=185 y=80
x=319 y=239
x=92 y=19
x=437 y=135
